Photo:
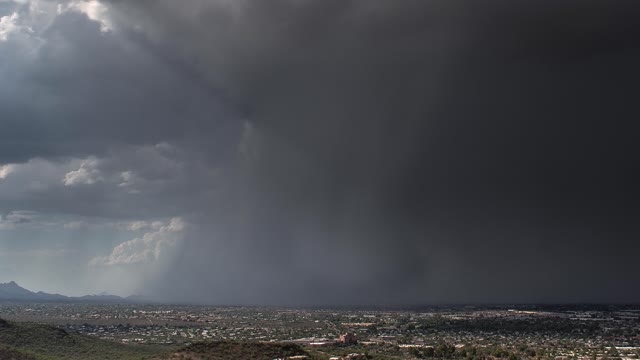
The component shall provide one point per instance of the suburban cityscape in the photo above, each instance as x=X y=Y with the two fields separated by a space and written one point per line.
x=472 y=332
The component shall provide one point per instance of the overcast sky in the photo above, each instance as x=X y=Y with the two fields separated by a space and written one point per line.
x=321 y=152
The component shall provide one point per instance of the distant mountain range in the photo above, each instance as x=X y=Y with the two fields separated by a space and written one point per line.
x=13 y=292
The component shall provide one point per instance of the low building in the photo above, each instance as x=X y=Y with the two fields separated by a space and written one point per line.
x=349 y=339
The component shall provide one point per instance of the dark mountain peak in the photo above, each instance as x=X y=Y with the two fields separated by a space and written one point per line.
x=13 y=288
x=13 y=291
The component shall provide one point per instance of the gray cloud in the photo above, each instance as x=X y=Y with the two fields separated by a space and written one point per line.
x=339 y=151
x=73 y=90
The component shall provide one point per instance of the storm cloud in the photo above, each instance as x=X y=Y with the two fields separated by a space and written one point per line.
x=330 y=152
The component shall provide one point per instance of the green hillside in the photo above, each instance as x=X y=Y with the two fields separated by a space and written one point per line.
x=22 y=341
x=223 y=350
x=29 y=341
x=8 y=353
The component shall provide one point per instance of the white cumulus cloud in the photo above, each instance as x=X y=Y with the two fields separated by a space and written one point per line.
x=8 y=25
x=95 y=10
x=150 y=248
x=5 y=170
x=144 y=225
x=87 y=174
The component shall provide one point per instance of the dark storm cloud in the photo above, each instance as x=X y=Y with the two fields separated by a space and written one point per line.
x=379 y=152
x=85 y=92
x=455 y=151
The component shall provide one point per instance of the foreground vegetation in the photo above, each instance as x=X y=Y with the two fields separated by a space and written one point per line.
x=30 y=341
x=222 y=350
x=35 y=341
x=8 y=353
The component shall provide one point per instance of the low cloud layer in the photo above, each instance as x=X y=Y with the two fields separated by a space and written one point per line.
x=323 y=151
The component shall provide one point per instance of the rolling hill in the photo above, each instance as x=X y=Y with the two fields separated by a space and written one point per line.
x=28 y=341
